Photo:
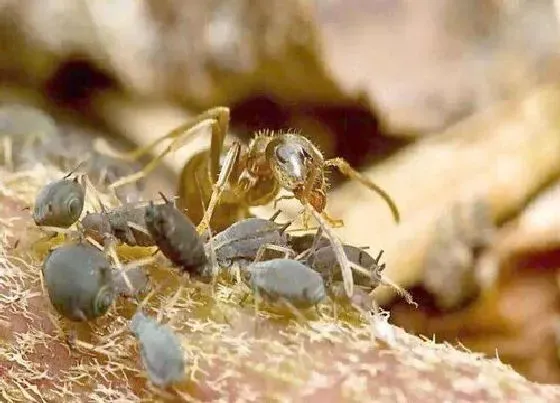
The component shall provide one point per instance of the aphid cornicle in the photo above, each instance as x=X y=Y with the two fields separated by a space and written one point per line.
x=59 y=204
x=242 y=241
x=175 y=235
x=286 y=279
x=160 y=349
x=125 y=223
x=79 y=281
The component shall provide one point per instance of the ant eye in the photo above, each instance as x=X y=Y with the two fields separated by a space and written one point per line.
x=279 y=156
x=306 y=154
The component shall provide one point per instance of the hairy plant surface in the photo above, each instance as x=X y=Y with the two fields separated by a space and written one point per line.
x=232 y=352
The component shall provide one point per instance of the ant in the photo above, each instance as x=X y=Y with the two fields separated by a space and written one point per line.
x=249 y=176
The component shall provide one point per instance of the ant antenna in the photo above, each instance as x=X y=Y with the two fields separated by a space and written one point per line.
x=163 y=197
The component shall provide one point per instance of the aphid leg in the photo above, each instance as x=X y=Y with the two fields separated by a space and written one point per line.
x=312 y=249
x=112 y=251
x=288 y=253
x=217 y=118
x=343 y=261
x=275 y=215
x=296 y=312
x=345 y=168
x=230 y=162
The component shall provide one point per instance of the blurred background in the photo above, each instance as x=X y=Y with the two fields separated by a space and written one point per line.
x=452 y=106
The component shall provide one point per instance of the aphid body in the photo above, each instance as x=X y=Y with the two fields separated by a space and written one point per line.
x=160 y=349
x=29 y=131
x=324 y=261
x=137 y=277
x=242 y=241
x=59 y=204
x=286 y=279
x=176 y=236
x=125 y=223
x=79 y=281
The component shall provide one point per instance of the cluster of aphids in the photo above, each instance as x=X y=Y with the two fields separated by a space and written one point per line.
x=278 y=267
x=82 y=283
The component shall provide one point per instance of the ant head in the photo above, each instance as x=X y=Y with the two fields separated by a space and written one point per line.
x=292 y=161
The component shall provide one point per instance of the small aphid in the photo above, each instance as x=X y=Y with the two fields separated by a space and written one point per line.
x=325 y=262
x=79 y=281
x=160 y=349
x=59 y=204
x=126 y=224
x=176 y=236
x=242 y=241
x=28 y=132
x=138 y=278
x=286 y=279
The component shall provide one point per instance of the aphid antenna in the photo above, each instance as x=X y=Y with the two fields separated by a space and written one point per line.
x=165 y=199
x=78 y=166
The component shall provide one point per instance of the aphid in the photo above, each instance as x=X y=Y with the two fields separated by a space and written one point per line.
x=125 y=223
x=242 y=241
x=324 y=261
x=138 y=279
x=271 y=162
x=59 y=204
x=160 y=349
x=286 y=280
x=24 y=127
x=104 y=170
x=79 y=281
x=175 y=235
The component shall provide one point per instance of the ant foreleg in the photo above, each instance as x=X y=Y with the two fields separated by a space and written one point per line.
x=232 y=158
x=345 y=168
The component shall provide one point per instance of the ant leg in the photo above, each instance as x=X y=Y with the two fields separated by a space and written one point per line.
x=335 y=223
x=343 y=261
x=285 y=197
x=216 y=118
x=231 y=161
x=347 y=170
x=288 y=253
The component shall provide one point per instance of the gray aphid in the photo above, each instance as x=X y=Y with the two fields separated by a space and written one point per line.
x=161 y=351
x=139 y=280
x=116 y=222
x=324 y=261
x=59 y=204
x=79 y=281
x=287 y=279
x=242 y=240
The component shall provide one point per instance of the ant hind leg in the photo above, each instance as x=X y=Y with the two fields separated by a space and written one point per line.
x=217 y=118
